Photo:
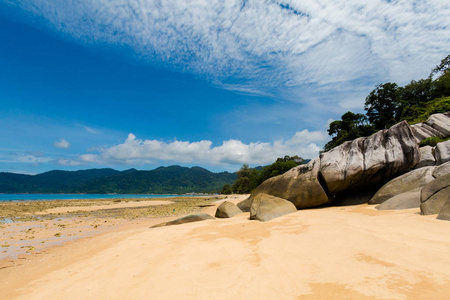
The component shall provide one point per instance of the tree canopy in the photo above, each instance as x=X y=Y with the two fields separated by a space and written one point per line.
x=249 y=178
x=389 y=104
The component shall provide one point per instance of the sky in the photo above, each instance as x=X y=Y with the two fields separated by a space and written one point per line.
x=145 y=83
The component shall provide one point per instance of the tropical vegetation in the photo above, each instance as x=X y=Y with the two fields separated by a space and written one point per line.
x=389 y=104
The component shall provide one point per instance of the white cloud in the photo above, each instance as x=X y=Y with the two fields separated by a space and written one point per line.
x=231 y=153
x=30 y=158
x=62 y=143
x=69 y=163
x=305 y=136
x=257 y=46
x=92 y=130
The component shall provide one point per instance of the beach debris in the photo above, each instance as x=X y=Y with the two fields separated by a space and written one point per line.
x=227 y=210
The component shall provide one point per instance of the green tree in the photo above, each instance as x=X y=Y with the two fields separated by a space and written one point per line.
x=383 y=105
x=242 y=184
x=226 y=190
x=249 y=178
x=443 y=67
x=350 y=127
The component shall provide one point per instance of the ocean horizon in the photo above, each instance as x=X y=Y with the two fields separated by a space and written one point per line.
x=41 y=197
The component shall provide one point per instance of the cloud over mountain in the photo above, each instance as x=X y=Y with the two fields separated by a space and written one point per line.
x=229 y=153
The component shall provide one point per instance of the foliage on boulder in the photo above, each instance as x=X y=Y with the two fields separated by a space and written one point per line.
x=389 y=104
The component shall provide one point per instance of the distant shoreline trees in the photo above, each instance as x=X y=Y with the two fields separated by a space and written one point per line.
x=250 y=178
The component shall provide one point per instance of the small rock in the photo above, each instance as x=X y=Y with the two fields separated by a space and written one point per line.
x=442 y=152
x=186 y=219
x=227 y=210
x=266 y=207
x=426 y=157
x=245 y=205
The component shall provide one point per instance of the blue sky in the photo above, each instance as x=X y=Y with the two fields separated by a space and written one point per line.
x=122 y=84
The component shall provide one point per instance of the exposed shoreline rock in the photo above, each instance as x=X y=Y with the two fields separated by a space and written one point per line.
x=266 y=207
x=369 y=161
x=300 y=185
x=227 y=210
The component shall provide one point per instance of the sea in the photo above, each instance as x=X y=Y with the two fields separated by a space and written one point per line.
x=41 y=197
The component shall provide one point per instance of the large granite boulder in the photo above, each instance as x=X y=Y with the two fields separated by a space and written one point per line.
x=245 y=205
x=440 y=122
x=404 y=183
x=186 y=219
x=227 y=210
x=370 y=161
x=300 y=185
x=444 y=213
x=434 y=195
x=442 y=170
x=267 y=207
x=426 y=157
x=410 y=199
x=442 y=152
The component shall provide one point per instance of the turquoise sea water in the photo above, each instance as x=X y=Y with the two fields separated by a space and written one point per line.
x=31 y=197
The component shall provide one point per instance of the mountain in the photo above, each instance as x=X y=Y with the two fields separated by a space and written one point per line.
x=163 y=180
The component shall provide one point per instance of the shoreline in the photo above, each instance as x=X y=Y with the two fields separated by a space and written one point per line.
x=30 y=227
x=351 y=252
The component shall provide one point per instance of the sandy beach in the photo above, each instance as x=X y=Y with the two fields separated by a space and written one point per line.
x=352 y=252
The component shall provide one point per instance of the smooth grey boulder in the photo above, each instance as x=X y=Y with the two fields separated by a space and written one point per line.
x=405 y=200
x=267 y=207
x=227 y=210
x=404 y=183
x=426 y=157
x=186 y=219
x=245 y=205
x=434 y=204
x=442 y=152
x=440 y=122
x=442 y=170
x=444 y=213
x=419 y=132
x=300 y=185
x=370 y=161
x=434 y=195
x=431 y=130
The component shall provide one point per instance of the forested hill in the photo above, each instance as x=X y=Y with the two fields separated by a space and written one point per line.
x=163 y=180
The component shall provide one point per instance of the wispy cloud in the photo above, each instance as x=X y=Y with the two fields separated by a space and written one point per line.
x=68 y=162
x=62 y=143
x=92 y=130
x=135 y=151
x=29 y=157
x=263 y=47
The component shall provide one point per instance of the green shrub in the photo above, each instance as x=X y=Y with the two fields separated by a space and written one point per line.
x=421 y=114
x=433 y=141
